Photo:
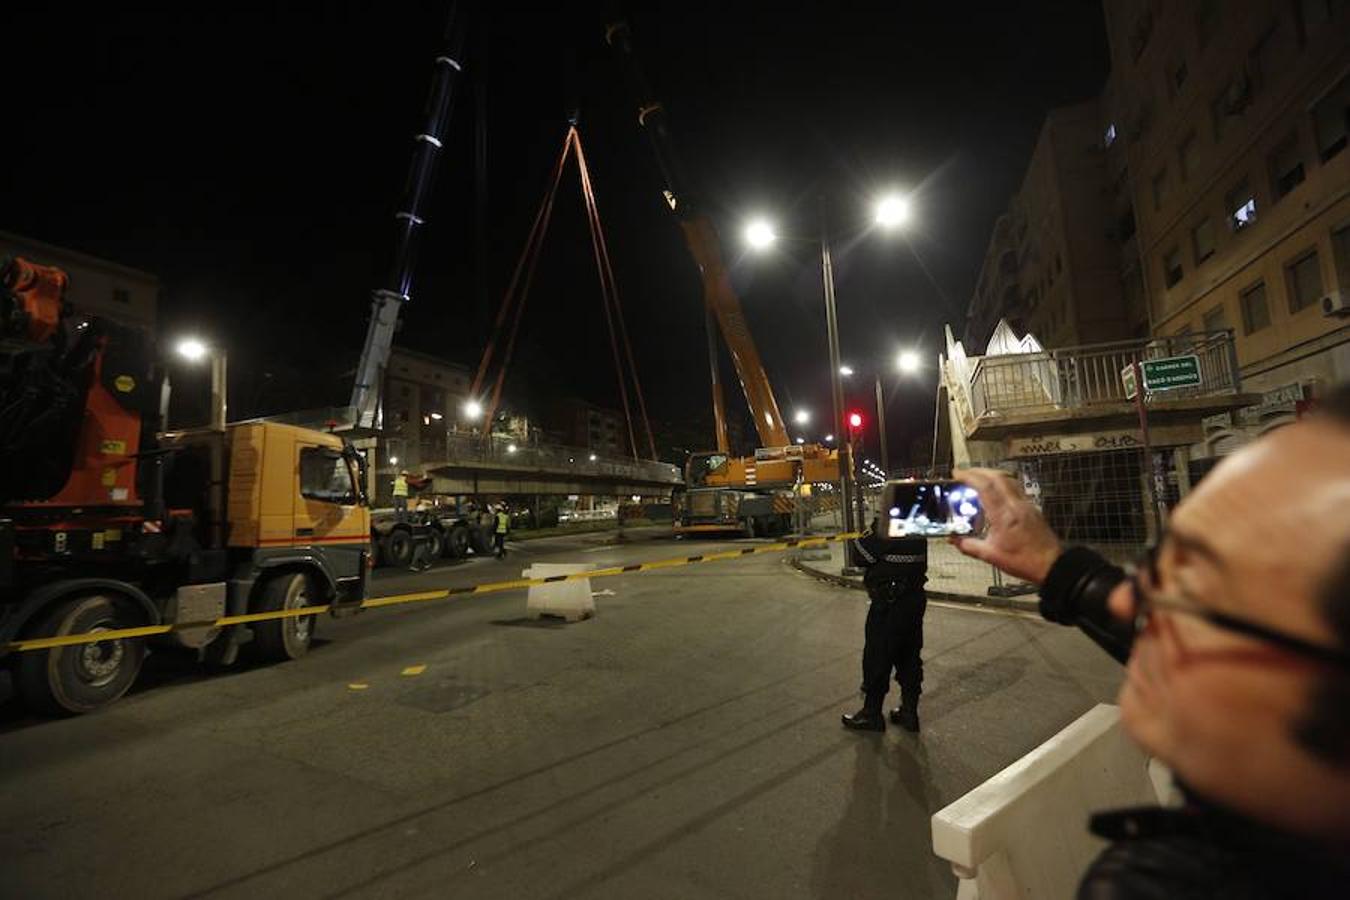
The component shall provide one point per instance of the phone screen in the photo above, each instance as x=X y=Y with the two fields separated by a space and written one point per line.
x=931 y=509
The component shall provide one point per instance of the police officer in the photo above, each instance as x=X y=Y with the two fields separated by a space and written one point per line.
x=896 y=569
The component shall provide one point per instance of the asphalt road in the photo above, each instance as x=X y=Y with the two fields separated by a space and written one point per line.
x=685 y=742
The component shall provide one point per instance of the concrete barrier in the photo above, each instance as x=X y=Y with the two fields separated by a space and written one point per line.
x=570 y=599
x=1023 y=833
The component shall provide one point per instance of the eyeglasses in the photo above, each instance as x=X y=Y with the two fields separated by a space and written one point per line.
x=1147 y=601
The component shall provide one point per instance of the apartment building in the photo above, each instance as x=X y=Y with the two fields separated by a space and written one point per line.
x=1053 y=266
x=1225 y=127
x=582 y=424
x=422 y=401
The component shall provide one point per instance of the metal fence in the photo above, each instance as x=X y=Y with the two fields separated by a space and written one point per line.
x=1101 y=500
x=1078 y=377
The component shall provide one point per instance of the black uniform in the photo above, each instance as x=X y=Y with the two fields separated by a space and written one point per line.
x=896 y=570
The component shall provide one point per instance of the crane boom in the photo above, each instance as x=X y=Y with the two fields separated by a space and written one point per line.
x=387 y=300
x=700 y=237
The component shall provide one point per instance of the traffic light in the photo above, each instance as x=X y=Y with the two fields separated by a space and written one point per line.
x=855 y=424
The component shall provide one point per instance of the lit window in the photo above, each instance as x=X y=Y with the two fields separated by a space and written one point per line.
x=1110 y=137
x=1241 y=207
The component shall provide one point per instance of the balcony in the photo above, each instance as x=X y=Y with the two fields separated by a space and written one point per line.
x=1026 y=393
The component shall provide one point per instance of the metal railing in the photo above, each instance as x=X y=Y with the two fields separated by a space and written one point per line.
x=1078 y=377
x=473 y=450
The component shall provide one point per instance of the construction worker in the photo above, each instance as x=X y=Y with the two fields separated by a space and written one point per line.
x=896 y=570
x=503 y=526
x=401 y=495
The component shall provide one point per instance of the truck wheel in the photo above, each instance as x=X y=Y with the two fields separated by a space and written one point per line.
x=436 y=544
x=457 y=542
x=283 y=639
x=482 y=539
x=397 y=548
x=85 y=677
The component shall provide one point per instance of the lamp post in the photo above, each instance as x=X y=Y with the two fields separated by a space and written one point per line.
x=890 y=212
x=194 y=350
x=907 y=362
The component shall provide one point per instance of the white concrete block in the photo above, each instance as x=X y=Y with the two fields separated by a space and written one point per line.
x=1023 y=833
x=570 y=599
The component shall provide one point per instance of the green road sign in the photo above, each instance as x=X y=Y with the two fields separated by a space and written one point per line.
x=1163 y=374
x=1170 y=373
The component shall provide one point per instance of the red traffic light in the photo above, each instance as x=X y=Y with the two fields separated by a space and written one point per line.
x=855 y=421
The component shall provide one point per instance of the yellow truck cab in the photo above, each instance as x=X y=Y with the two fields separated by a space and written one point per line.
x=256 y=518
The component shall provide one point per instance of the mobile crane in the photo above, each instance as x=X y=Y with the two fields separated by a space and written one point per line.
x=106 y=524
x=749 y=494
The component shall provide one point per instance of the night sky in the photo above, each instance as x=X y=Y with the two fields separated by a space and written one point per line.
x=251 y=156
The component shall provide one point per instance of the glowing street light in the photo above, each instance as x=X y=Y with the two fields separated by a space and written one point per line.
x=829 y=439
x=908 y=362
x=892 y=211
x=437 y=416
x=801 y=440
x=593 y=457
x=759 y=234
x=472 y=410
x=510 y=448
x=192 y=349
x=846 y=371
x=802 y=417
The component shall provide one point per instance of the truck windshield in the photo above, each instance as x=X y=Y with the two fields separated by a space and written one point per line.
x=325 y=476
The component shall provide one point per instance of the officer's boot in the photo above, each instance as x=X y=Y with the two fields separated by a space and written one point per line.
x=869 y=718
x=906 y=715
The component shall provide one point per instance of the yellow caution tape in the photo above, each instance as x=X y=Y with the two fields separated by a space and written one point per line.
x=93 y=637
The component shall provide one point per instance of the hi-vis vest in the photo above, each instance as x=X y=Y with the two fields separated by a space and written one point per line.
x=503 y=522
x=400 y=486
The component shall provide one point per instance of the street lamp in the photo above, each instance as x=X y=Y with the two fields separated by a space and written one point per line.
x=194 y=350
x=892 y=211
x=759 y=234
x=908 y=362
x=829 y=439
x=802 y=417
x=845 y=371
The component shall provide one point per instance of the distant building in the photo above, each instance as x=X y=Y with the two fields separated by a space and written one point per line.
x=582 y=424
x=97 y=286
x=1051 y=266
x=422 y=402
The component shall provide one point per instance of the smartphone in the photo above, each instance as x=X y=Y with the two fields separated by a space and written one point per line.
x=931 y=509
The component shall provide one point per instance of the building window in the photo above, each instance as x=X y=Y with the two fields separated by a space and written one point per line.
x=122 y=296
x=1303 y=277
x=1159 y=188
x=1286 y=167
x=1340 y=244
x=1331 y=120
x=1188 y=156
x=1241 y=206
x=1255 y=312
x=1202 y=239
x=1216 y=319
x=1110 y=137
x=1172 y=270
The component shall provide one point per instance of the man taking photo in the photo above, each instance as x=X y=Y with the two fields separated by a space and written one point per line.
x=1235 y=631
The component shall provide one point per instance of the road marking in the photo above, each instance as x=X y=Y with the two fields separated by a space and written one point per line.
x=413 y=670
x=357 y=686
x=94 y=637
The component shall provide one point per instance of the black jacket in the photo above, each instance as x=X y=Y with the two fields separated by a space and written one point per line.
x=1200 y=849
x=891 y=564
